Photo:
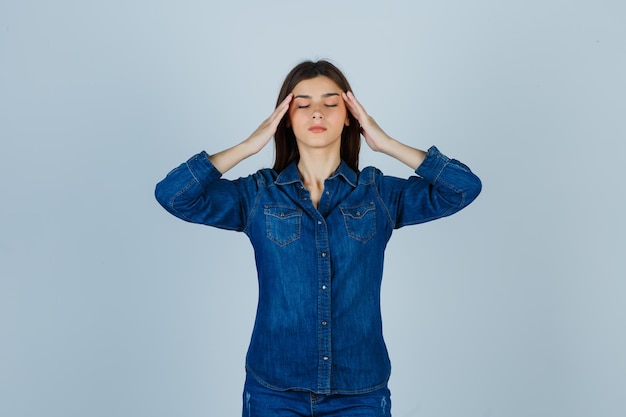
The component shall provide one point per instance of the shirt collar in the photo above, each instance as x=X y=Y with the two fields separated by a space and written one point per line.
x=290 y=174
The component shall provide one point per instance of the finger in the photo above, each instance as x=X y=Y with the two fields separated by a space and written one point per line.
x=282 y=108
x=355 y=107
x=287 y=100
x=350 y=105
x=284 y=105
x=356 y=103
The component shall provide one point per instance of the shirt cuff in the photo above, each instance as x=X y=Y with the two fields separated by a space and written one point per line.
x=203 y=169
x=433 y=165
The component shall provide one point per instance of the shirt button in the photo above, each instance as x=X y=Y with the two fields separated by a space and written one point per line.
x=323 y=254
x=319 y=222
x=325 y=358
x=324 y=323
x=324 y=287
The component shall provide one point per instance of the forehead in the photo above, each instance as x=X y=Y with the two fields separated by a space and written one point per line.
x=316 y=87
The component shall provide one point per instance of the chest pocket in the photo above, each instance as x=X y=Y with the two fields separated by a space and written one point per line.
x=360 y=221
x=283 y=224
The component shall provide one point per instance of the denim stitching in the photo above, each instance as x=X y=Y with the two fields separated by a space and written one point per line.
x=360 y=221
x=272 y=217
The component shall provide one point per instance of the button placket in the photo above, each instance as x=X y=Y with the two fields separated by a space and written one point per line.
x=324 y=305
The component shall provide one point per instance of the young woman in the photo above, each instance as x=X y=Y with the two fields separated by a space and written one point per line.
x=319 y=228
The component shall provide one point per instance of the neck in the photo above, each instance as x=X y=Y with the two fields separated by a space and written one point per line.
x=317 y=165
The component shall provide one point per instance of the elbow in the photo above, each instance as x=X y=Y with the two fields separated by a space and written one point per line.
x=463 y=193
x=472 y=190
x=163 y=197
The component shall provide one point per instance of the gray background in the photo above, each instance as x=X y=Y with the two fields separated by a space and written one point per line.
x=111 y=307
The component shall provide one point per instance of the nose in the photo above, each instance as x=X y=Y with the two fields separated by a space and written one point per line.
x=317 y=113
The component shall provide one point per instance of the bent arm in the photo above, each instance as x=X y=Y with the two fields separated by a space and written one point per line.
x=443 y=187
x=450 y=178
x=195 y=192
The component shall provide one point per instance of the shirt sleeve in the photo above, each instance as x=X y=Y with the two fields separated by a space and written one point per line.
x=442 y=187
x=195 y=192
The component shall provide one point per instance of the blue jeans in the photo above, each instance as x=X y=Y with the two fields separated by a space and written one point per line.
x=260 y=401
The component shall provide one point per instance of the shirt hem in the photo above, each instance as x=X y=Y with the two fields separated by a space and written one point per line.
x=329 y=391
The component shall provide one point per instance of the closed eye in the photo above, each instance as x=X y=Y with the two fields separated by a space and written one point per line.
x=331 y=105
x=304 y=106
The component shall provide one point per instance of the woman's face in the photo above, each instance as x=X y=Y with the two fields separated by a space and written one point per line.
x=318 y=113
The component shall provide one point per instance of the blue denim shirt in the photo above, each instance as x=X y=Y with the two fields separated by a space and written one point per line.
x=318 y=325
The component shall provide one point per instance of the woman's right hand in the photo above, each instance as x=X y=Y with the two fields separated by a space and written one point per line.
x=230 y=157
x=266 y=130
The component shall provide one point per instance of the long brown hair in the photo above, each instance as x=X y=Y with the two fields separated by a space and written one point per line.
x=284 y=138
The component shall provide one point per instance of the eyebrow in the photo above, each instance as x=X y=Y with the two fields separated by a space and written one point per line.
x=323 y=96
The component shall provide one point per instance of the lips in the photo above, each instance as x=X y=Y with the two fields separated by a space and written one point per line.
x=317 y=129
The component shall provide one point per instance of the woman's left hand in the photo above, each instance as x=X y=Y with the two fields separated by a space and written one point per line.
x=374 y=136
x=378 y=140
